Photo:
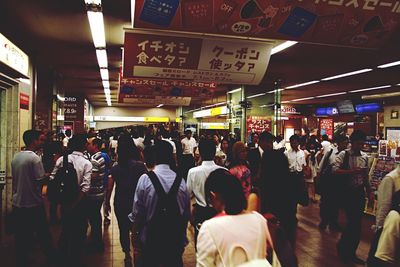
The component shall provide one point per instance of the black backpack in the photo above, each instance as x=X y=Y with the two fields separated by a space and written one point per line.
x=64 y=188
x=167 y=226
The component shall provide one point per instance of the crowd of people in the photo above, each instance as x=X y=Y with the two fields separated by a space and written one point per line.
x=228 y=191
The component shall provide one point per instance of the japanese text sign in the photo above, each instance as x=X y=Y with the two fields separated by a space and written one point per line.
x=258 y=124
x=74 y=112
x=23 y=101
x=207 y=61
x=359 y=23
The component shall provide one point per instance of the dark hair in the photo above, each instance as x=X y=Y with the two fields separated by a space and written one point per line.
x=97 y=142
x=341 y=138
x=149 y=156
x=325 y=137
x=30 y=136
x=207 y=149
x=68 y=132
x=163 y=152
x=228 y=186
x=77 y=142
x=266 y=136
x=357 y=135
x=295 y=137
x=127 y=150
x=188 y=132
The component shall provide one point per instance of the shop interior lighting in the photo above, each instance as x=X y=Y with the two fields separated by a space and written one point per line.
x=235 y=90
x=257 y=95
x=96 y=22
x=101 y=55
x=370 y=89
x=302 y=84
x=346 y=74
x=302 y=99
x=282 y=47
x=334 y=94
x=104 y=74
x=389 y=65
x=159 y=106
x=273 y=91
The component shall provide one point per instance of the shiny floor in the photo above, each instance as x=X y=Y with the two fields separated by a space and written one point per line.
x=314 y=248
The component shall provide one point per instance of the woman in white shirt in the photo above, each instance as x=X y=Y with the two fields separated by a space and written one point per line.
x=235 y=236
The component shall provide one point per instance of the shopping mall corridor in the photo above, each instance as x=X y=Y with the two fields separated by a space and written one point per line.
x=315 y=248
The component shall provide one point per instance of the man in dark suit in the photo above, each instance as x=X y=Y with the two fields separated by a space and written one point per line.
x=265 y=142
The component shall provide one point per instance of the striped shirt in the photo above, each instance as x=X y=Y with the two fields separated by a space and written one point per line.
x=97 y=180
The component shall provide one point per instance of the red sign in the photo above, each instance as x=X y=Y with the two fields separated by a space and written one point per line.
x=258 y=124
x=326 y=127
x=359 y=23
x=23 y=101
x=203 y=60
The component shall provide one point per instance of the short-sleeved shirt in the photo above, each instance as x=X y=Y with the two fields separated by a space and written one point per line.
x=27 y=170
x=355 y=161
x=297 y=160
x=188 y=145
x=389 y=243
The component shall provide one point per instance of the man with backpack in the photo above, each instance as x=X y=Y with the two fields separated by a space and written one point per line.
x=71 y=179
x=160 y=213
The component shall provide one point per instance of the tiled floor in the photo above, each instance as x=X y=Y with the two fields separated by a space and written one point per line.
x=314 y=248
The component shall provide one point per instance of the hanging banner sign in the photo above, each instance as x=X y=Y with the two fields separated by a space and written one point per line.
x=326 y=127
x=359 y=23
x=258 y=124
x=228 y=61
x=157 y=100
x=14 y=57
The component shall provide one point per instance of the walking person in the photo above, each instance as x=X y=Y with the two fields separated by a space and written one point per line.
x=351 y=166
x=125 y=175
x=188 y=146
x=239 y=167
x=160 y=213
x=28 y=207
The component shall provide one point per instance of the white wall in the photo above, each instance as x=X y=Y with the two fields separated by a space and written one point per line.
x=131 y=112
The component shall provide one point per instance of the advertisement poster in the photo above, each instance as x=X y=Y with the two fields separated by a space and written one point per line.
x=23 y=101
x=258 y=124
x=381 y=167
x=383 y=148
x=357 y=23
x=393 y=138
x=74 y=112
x=326 y=127
x=209 y=61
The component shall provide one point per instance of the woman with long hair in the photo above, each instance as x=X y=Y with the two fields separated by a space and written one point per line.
x=239 y=167
x=220 y=243
x=125 y=174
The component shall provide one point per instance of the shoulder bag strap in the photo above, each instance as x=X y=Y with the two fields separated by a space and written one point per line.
x=175 y=186
x=157 y=185
x=326 y=161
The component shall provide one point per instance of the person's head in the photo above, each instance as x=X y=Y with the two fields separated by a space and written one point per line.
x=149 y=156
x=254 y=138
x=266 y=141
x=78 y=143
x=225 y=145
x=207 y=150
x=163 y=152
x=325 y=137
x=396 y=201
x=94 y=145
x=215 y=138
x=342 y=142
x=188 y=134
x=357 y=140
x=127 y=150
x=135 y=134
x=225 y=193
x=239 y=153
x=32 y=139
x=68 y=133
x=294 y=142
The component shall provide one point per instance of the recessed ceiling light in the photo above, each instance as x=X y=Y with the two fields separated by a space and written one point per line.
x=301 y=84
x=389 y=65
x=235 y=90
x=334 y=94
x=273 y=91
x=254 y=96
x=386 y=95
x=370 y=89
x=346 y=74
x=104 y=74
x=96 y=22
x=302 y=99
x=159 y=106
x=282 y=47
x=106 y=84
x=101 y=55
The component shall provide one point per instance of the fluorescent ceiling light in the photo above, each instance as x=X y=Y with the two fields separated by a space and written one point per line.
x=302 y=99
x=346 y=74
x=265 y=106
x=133 y=6
x=334 y=94
x=370 y=89
x=273 y=91
x=389 y=65
x=104 y=74
x=235 y=90
x=93 y=2
x=302 y=84
x=107 y=91
x=102 y=58
x=96 y=23
x=106 y=84
x=159 y=106
x=284 y=102
x=386 y=95
x=23 y=80
x=254 y=96
x=282 y=47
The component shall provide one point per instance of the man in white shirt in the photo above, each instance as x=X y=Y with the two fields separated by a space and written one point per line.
x=74 y=214
x=188 y=148
x=326 y=145
x=196 y=180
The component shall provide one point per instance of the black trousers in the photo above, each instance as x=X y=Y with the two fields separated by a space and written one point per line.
x=329 y=205
x=124 y=225
x=353 y=204
x=94 y=218
x=187 y=163
x=29 y=221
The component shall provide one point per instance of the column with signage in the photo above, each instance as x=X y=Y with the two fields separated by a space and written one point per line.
x=277 y=109
x=74 y=113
